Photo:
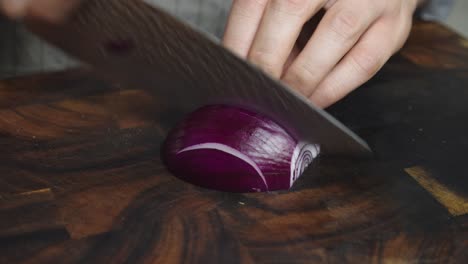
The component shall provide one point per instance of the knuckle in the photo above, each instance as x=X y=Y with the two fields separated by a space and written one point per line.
x=328 y=94
x=376 y=6
x=302 y=75
x=291 y=7
x=403 y=36
x=329 y=4
x=400 y=44
x=331 y=95
x=366 y=62
x=250 y=3
x=394 y=8
x=265 y=61
x=246 y=9
x=346 y=24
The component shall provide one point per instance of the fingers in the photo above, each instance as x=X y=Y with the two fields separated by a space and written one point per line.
x=14 y=8
x=50 y=10
x=362 y=62
x=340 y=29
x=243 y=21
x=279 y=29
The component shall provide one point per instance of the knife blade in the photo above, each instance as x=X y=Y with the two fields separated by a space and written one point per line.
x=140 y=45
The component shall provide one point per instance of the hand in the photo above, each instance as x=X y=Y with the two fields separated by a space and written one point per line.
x=50 y=10
x=352 y=41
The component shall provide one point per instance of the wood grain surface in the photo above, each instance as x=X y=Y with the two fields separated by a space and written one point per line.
x=81 y=179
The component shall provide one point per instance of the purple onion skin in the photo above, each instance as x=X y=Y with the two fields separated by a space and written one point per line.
x=231 y=149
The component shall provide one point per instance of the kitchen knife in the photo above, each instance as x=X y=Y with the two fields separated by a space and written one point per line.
x=141 y=46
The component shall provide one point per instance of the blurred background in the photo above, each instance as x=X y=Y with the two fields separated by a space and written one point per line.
x=458 y=19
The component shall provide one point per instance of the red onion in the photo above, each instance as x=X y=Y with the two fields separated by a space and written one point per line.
x=231 y=149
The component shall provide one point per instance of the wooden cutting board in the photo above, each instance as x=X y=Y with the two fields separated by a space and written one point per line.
x=81 y=180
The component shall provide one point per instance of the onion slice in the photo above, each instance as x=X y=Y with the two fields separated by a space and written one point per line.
x=231 y=149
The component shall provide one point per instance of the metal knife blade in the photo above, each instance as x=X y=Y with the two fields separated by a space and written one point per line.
x=142 y=46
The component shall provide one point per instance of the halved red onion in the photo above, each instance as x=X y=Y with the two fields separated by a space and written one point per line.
x=231 y=149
